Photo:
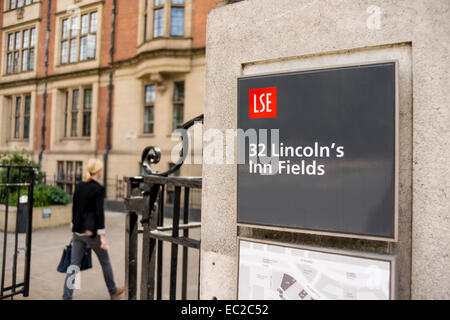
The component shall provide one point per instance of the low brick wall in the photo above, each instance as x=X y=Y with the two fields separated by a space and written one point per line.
x=60 y=215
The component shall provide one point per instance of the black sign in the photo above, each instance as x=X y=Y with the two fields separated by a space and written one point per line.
x=332 y=166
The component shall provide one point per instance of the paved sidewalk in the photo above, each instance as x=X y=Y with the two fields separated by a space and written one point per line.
x=48 y=244
x=47 y=247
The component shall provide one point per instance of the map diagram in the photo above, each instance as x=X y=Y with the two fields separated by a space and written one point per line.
x=271 y=272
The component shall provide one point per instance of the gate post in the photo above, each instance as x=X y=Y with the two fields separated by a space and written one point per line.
x=132 y=203
x=131 y=233
x=26 y=288
x=149 y=223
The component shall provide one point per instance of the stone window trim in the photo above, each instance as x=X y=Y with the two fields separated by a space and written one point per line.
x=20 y=50
x=78 y=37
x=164 y=11
x=12 y=5
x=21 y=105
x=77 y=104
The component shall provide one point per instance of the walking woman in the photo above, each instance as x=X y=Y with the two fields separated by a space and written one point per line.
x=88 y=227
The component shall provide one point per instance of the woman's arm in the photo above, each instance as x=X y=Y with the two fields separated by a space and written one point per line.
x=74 y=206
x=100 y=218
x=103 y=243
x=99 y=210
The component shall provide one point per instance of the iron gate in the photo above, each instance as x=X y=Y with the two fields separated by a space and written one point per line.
x=145 y=197
x=16 y=197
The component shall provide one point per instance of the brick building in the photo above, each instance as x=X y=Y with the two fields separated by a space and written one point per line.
x=97 y=97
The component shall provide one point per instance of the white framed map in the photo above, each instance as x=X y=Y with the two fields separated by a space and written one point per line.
x=269 y=271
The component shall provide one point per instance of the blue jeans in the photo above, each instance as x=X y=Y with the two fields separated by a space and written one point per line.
x=78 y=244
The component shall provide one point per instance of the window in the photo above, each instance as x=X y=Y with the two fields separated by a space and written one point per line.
x=21 y=117
x=178 y=105
x=74 y=113
x=69 y=174
x=177 y=18
x=149 y=109
x=87 y=106
x=20 y=51
x=17 y=118
x=69 y=177
x=176 y=13
x=60 y=175
x=26 y=118
x=15 y=4
x=79 y=38
x=158 y=18
x=77 y=112
x=66 y=112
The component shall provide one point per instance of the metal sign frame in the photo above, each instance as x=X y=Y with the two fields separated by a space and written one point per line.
x=396 y=158
x=343 y=252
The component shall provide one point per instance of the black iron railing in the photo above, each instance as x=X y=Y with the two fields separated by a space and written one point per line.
x=145 y=197
x=155 y=233
x=16 y=181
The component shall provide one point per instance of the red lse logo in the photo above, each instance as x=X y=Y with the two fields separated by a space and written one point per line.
x=263 y=103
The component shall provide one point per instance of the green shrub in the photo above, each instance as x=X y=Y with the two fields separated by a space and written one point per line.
x=44 y=195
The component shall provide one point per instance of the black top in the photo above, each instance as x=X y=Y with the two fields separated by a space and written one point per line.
x=87 y=208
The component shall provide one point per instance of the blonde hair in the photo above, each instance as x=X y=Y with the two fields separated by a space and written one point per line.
x=93 y=167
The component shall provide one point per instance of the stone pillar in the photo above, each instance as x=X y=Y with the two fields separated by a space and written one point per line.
x=260 y=36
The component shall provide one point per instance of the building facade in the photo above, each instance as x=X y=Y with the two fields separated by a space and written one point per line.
x=89 y=78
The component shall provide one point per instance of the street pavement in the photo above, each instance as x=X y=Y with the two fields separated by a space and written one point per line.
x=47 y=247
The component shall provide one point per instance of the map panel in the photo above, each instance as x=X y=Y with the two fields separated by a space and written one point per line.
x=274 y=272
